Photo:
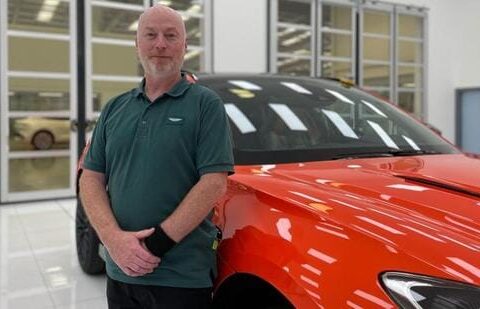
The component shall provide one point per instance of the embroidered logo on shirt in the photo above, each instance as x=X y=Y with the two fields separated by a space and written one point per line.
x=172 y=119
x=175 y=120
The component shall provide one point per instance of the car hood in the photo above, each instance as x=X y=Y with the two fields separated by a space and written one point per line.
x=427 y=207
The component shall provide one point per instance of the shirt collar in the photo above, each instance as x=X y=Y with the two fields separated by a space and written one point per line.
x=176 y=91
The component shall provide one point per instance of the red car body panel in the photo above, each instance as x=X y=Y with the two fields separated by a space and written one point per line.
x=307 y=228
x=322 y=233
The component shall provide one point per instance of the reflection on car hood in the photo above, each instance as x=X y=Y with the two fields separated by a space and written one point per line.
x=428 y=207
x=430 y=185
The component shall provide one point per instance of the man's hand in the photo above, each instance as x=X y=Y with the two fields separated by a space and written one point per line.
x=128 y=251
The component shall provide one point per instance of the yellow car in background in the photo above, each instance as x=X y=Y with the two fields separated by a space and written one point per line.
x=41 y=133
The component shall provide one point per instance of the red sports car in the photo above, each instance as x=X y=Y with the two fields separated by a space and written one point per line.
x=339 y=200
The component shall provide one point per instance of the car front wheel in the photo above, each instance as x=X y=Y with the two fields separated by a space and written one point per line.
x=43 y=140
x=87 y=243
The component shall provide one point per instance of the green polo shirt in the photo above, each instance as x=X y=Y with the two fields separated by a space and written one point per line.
x=152 y=154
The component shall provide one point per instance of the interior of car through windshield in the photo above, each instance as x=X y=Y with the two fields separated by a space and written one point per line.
x=308 y=114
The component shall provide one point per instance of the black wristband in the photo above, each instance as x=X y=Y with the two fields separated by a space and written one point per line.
x=159 y=242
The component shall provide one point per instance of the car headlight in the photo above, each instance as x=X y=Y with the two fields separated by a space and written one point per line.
x=411 y=291
x=18 y=128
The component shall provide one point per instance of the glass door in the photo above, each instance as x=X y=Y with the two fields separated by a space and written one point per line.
x=38 y=99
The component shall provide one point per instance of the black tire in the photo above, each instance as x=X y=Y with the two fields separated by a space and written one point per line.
x=87 y=244
x=43 y=140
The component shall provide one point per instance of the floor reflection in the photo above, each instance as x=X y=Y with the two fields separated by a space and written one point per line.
x=38 y=263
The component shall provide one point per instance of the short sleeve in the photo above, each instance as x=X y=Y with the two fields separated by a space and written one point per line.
x=214 y=146
x=95 y=159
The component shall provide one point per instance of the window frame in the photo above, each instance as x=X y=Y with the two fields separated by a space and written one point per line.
x=423 y=13
x=357 y=33
x=274 y=54
x=353 y=59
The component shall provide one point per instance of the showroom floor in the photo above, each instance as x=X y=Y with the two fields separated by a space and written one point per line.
x=38 y=263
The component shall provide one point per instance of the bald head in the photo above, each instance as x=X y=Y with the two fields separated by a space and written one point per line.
x=160 y=13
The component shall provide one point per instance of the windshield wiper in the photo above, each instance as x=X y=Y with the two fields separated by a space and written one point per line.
x=387 y=153
x=400 y=153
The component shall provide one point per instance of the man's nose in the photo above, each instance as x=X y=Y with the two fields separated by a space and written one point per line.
x=160 y=42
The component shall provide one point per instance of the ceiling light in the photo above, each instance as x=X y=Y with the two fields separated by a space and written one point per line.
x=48 y=9
x=288 y=61
x=286 y=31
x=50 y=94
x=165 y=2
x=296 y=39
x=44 y=16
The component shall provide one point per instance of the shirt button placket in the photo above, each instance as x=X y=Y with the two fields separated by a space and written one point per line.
x=143 y=124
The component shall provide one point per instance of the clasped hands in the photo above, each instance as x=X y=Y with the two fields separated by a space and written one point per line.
x=129 y=252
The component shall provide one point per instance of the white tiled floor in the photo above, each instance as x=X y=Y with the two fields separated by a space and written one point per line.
x=38 y=262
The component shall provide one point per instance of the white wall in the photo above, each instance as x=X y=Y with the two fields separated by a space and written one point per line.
x=240 y=45
x=240 y=36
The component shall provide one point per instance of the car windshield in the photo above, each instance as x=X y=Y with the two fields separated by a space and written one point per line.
x=285 y=119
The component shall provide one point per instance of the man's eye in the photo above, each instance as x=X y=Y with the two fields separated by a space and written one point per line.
x=150 y=34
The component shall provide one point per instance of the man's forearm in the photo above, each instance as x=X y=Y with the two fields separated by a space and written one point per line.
x=195 y=206
x=97 y=205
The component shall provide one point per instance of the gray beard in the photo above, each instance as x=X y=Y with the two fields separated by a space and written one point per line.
x=152 y=70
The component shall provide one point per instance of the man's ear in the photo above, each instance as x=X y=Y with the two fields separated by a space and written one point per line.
x=136 y=42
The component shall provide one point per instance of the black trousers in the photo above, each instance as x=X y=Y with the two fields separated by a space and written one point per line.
x=131 y=296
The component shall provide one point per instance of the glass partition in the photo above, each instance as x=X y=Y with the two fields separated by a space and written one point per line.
x=376 y=60
x=294 y=37
x=48 y=56
x=28 y=94
x=114 y=23
x=105 y=90
x=39 y=148
x=39 y=16
x=111 y=59
x=35 y=174
x=387 y=39
x=410 y=61
x=336 y=41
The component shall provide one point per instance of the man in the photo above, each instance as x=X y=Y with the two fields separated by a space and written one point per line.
x=163 y=151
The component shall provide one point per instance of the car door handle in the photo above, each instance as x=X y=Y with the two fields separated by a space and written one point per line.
x=89 y=125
